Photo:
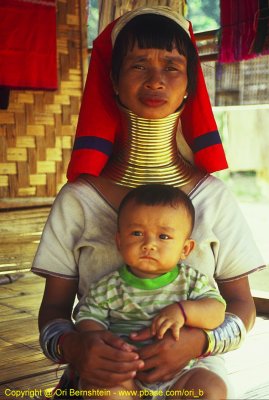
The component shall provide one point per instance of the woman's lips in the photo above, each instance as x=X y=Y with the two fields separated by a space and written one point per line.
x=153 y=101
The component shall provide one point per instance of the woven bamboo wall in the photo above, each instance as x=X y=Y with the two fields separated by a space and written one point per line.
x=243 y=83
x=37 y=129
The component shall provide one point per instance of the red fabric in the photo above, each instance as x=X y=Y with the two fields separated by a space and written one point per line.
x=261 y=42
x=99 y=115
x=242 y=27
x=99 y=119
x=86 y=161
x=28 y=44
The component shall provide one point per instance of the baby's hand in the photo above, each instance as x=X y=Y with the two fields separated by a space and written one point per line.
x=169 y=317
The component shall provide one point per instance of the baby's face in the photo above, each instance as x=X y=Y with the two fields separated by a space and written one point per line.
x=152 y=239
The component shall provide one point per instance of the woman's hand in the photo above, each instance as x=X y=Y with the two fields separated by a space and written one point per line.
x=166 y=357
x=101 y=358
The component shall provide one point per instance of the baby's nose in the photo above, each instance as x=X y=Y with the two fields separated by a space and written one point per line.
x=149 y=244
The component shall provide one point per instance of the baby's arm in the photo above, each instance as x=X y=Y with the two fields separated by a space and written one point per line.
x=205 y=313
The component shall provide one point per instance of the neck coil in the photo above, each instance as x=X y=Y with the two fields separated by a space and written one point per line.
x=146 y=152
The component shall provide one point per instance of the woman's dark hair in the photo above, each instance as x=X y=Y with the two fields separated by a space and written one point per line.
x=158 y=194
x=155 y=31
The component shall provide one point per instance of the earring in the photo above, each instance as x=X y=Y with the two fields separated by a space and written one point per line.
x=185 y=97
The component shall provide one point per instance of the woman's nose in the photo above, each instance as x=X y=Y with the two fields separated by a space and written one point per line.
x=154 y=79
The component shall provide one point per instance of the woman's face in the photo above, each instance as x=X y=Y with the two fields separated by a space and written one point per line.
x=152 y=82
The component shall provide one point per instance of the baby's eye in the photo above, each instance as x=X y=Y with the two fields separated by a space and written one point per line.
x=163 y=236
x=137 y=233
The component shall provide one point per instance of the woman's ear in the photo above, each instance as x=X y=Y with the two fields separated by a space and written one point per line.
x=114 y=84
x=185 y=98
x=187 y=248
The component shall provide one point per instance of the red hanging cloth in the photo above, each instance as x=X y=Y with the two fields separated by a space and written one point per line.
x=28 y=44
x=244 y=29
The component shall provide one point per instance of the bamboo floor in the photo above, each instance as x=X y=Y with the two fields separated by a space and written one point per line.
x=20 y=232
x=22 y=364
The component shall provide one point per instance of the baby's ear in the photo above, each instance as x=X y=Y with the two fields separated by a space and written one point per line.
x=187 y=248
x=117 y=240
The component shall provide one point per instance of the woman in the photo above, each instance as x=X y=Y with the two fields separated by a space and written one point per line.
x=154 y=72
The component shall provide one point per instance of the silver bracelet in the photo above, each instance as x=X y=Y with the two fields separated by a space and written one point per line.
x=50 y=335
x=228 y=336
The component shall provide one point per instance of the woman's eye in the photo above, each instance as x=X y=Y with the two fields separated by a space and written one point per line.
x=163 y=236
x=171 y=69
x=137 y=233
x=138 y=66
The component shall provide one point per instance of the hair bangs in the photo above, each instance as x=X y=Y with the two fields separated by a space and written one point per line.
x=146 y=33
x=156 y=32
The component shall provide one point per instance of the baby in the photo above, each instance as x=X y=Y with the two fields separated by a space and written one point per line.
x=153 y=288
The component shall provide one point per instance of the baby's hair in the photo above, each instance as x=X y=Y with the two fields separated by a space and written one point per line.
x=159 y=194
x=155 y=31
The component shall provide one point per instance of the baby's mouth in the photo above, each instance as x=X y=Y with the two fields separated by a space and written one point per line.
x=147 y=257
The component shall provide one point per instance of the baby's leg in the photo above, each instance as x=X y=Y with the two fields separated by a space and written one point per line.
x=125 y=391
x=198 y=383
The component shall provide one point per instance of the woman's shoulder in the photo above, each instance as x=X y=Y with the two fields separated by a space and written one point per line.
x=81 y=193
x=210 y=187
x=76 y=189
x=211 y=182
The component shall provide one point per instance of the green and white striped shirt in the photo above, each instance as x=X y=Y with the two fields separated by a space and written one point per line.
x=125 y=303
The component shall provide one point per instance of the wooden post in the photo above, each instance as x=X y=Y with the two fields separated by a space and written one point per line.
x=83 y=16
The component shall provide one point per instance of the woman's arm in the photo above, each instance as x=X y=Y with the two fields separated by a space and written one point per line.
x=239 y=300
x=97 y=356
x=89 y=326
x=58 y=299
